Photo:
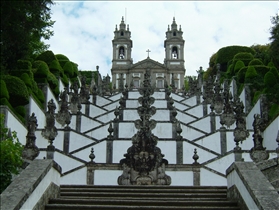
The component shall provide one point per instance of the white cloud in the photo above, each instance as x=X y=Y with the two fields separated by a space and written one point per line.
x=84 y=30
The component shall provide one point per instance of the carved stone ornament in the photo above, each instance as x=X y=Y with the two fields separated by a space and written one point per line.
x=31 y=151
x=143 y=163
x=64 y=116
x=84 y=91
x=50 y=131
x=75 y=105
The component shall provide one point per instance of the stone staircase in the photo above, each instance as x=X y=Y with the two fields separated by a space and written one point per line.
x=141 y=197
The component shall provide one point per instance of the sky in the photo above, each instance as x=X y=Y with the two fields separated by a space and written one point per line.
x=84 y=30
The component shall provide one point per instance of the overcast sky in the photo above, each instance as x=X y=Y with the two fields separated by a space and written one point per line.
x=84 y=30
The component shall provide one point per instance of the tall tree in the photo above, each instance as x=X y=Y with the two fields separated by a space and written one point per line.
x=23 y=24
x=274 y=45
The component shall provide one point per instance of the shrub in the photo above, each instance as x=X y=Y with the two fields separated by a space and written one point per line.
x=65 y=80
x=244 y=56
x=17 y=90
x=269 y=79
x=42 y=69
x=62 y=59
x=68 y=69
x=40 y=95
x=274 y=111
x=271 y=64
x=241 y=75
x=262 y=70
x=55 y=68
x=4 y=101
x=255 y=62
x=256 y=97
x=26 y=79
x=52 y=81
x=10 y=158
x=24 y=64
x=20 y=110
x=47 y=56
x=274 y=71
x=3 y=90
x=238 y=65
x=250 y=74
x=225 y=54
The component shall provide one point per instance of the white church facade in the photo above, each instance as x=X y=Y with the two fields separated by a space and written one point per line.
x=172 y=71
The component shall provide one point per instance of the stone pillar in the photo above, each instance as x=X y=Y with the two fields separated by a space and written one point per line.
x=50 y=151
x=204 y=106
x=179 y=151
x=66 y=143
x=212 y=122
x=115 y=129
x=238 y=155
x=196 y=175
x=78 y=122
x=87 y=109
x=90 y=173
x=223 y=140
x=109 y=151
x=247 y=98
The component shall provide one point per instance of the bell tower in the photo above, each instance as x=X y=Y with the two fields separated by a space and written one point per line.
x=174 y=54
x=122 y=50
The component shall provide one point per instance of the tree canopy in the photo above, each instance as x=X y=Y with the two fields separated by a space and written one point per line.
x=23 y=24
x=274 y=38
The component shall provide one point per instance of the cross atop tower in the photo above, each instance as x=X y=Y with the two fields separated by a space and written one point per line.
x=148 y=51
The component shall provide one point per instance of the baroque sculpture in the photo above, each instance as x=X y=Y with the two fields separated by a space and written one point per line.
x=143 y=163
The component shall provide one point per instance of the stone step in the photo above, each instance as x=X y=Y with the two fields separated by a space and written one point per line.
x=141 y=197
x=127 y=202
x=108 y=207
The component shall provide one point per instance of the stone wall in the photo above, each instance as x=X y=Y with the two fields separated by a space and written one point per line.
x=32 y=188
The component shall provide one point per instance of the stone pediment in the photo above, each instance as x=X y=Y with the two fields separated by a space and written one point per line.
x=148 y=64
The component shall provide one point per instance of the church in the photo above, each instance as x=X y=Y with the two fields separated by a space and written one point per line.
x=171 y=71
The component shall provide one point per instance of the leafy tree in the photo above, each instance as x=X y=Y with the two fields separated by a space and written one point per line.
x=10 y=155
x=274 y=45
x=23 y=24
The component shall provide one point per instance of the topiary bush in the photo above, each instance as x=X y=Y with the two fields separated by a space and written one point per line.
x=255 y=62
x=250 y=74
x=244 y=56
x=4 y=101
x=261 y=70
x=3 y=90
x=21 y=111
x=26 y=79
x=56 y=69
x=269 y=79
x=225 y=54
x=42 y=69
x=62 y=59
x=273 y=111
x=47 y=56
x=68 y=69
x=238 y=65
x=17 y=90
x=52 y=81
x=241 y=75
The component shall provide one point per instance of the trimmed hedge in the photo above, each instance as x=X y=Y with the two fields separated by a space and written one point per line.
x=4 y=101
x=250 y=74
x=3 y=91
x=261 y=70
x=47 y=56
x=62 y=59
x=68 y=69
x=225 y=54
x=244 y=56
x=56 y=69
x=42 y=69
x=24 y=64
x=255 y=62
x=269 y=79
x=26 y=79
x=241 y=75
x=238 y=65
x=18 y=91
x=20 y=110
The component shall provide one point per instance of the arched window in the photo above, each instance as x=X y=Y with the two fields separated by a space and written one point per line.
x=121 y=53
x=174 y=33
x=174 y=53
x=121 y=33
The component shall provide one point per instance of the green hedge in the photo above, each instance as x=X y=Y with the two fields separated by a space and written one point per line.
x=62 y=59
x=274 y=111
x=65 y=80
x=68 y=69
x=225 y=54
x=3 y=91
x=269 y=79
x=261 y=70
x=241 y=75
x=47 y=56
x=244 y=56
x=21 y=111
x=4 y=101
x=26 y=79
x=42 y=69
x=238 y=65
x=24 y=64
x=17 y=90
x=255 y=62
x=56 y=69
x=250 y=74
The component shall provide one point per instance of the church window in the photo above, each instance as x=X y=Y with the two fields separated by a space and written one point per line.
x=136 y=83
x=160 y=83
x=174 y=33
x=121 y=33
x=174 y=53
x=121 y=53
